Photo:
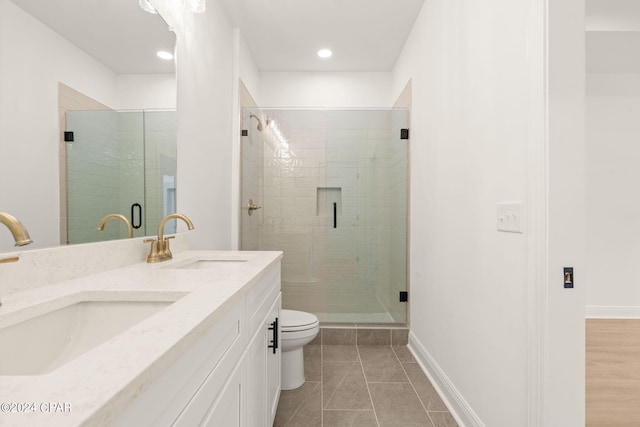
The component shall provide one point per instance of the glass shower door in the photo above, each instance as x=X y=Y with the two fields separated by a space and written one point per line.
x=105 y=172
x=365 y=200
x=333 y=189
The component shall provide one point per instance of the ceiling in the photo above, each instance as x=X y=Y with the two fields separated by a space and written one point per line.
x=285 y=35
x=613 y=36
x=117 y=33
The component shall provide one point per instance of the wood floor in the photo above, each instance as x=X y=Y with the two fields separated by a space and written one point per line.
x=613 y=373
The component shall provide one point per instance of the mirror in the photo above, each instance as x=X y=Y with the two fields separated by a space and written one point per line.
x=75 y=55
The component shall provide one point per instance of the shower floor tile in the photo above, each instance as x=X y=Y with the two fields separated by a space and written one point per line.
x=367 y=386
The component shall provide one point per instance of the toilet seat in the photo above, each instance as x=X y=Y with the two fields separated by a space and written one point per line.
x=297 y=321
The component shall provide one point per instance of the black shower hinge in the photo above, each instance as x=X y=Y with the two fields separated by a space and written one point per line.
x=68 y=136
x=404 y=296
x=404 y=133
x=245 y=132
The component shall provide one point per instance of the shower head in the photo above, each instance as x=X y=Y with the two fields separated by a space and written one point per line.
x=261 y=124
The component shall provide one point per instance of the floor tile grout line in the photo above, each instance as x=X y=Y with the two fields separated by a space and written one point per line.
x=321 y=384
x=414 y=389
x=373 y=407
x=430 y=419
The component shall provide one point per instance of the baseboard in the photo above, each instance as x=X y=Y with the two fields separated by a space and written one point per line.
x=612 y=312
x=457 y=405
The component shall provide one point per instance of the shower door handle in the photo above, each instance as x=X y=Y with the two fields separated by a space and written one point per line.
x=136 y=207
x=251 y=207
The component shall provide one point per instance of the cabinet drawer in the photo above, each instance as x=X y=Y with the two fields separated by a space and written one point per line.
x=217 y=398
x=215 y=353
x=260 y=298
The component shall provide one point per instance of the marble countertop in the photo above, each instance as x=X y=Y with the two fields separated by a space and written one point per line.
x=100 y=383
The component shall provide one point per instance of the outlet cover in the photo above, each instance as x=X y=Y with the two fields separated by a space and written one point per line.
x=510 y=217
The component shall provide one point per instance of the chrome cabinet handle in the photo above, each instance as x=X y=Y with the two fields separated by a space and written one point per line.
x=251 y=207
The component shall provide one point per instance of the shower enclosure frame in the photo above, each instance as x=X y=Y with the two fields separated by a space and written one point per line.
x=265 y=120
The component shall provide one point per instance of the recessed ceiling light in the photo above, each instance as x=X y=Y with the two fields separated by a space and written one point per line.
x=164 y=55
x=324 y=53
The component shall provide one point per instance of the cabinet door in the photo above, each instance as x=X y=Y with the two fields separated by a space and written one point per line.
x=226 y=411
x=273 y=365
x=263 y=371
x=256 y=380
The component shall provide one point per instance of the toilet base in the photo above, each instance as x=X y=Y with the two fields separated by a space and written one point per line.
x=292 y=369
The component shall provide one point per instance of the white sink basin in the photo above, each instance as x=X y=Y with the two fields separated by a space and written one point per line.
x=210 y=261
x=51 y=339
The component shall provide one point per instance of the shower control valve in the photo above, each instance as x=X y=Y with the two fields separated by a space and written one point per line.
x=251 y=207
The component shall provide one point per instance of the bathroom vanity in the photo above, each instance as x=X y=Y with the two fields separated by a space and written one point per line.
x=205 y=353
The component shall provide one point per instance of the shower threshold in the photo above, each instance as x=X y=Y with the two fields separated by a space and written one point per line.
x=328 y=318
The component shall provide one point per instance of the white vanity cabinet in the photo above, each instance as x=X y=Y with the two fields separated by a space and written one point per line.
x=262 y=373
x=274 y=365
x=262 y=363
x=230 y=377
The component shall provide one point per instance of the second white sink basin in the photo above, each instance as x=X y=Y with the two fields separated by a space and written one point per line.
x=49 y=340
x=209 y=262
x=203 y=264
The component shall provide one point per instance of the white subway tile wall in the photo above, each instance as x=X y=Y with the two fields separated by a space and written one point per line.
x=296 y=168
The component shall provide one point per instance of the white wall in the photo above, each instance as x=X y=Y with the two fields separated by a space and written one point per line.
x=205 y=75
x=245 y=73
x=475 y=84
x=146 y=91
x=247 y=69
x=564 y=399
x=613 y=199
x=469 y=71
x=324 y=89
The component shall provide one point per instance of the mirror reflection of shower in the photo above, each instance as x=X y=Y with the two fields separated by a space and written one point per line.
x=119 y=162
x=333 y=189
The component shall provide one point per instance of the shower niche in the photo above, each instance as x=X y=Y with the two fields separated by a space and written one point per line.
x=333 y=186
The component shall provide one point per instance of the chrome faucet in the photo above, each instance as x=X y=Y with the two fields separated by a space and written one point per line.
x=20 y=235
x=121 y=218
x=160 y=250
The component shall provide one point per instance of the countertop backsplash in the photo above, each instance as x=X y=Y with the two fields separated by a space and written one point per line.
x=46 y=266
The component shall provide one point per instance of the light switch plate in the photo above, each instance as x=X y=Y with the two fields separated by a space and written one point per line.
x=510 y=217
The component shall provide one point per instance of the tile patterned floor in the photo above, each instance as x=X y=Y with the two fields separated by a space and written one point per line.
x=362 y=386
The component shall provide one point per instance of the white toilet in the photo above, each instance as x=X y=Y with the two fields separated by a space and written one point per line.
x=298 y=328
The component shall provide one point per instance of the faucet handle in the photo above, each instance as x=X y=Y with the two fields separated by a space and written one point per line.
x=166 y=250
